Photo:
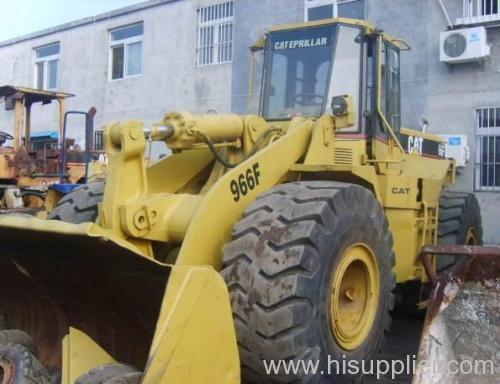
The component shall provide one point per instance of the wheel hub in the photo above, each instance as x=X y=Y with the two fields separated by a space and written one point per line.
x=354 y=296
x=471 y=238
x=6 y=371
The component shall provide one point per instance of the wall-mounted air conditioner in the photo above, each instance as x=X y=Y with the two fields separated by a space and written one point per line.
x=456 y=147
x=464 y=45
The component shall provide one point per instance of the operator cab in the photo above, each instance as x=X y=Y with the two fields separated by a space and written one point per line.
x=331 y=67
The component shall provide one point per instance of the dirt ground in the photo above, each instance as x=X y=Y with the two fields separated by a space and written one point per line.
x=402 y=341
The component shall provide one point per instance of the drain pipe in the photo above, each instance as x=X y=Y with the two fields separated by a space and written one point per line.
x=446 y=15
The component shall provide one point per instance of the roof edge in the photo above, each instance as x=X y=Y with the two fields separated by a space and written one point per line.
x=85 y=21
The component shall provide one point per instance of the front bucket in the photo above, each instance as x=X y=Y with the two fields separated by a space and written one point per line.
x=80 y=287
x=56 y=275
x=461 y=334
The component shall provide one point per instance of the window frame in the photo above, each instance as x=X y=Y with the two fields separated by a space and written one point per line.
x=308 y=4
x=215 y=24
x=481 y=132
x=45 y=60
x=125 y=44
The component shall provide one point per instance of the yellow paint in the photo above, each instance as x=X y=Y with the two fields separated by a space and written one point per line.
x=195 y=341
x=354 y=296
x=80 y=355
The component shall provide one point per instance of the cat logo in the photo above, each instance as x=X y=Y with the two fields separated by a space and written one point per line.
x=400 y=191
x=415 y=144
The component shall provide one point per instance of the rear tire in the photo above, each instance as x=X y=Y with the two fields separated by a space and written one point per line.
x=459 y=223
x=80 y=205
x=281 y=266
x=19 y=366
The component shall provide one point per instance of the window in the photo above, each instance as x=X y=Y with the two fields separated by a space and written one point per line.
x=393 y=107
x=47 y=66
x=487 y=169
x=215 y=34
x=326 y=9
x=298 y=67
x=320 y=9
x=126 y=51
x=345 y=78
x=479 y=11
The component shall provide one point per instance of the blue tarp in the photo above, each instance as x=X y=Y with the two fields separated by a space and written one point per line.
x=45 y=135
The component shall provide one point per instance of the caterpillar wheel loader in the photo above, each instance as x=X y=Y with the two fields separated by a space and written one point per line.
x=282 y=236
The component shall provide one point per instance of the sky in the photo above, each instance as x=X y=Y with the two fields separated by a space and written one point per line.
x=21 y=17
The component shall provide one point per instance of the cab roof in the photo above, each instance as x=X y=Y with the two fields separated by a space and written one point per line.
x=368 y=26
x=32 y=95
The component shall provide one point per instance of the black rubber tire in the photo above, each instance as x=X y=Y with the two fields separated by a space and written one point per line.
x=16 y=336
x=458 y=211
x=3 y=321
x=102 y=374
x=25 y=367
x=80 y=205
x=278 y=268
x=127 y=378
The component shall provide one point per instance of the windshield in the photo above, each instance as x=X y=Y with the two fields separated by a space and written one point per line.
x=298 y=68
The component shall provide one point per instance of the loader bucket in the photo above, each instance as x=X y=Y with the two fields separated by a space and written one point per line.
x=460 y=339
x=81 y=293
x=55 y=275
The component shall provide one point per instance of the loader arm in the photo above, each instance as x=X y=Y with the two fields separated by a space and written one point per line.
x=209 y=230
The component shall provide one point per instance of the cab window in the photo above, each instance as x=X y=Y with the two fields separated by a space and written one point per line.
x=390 y=93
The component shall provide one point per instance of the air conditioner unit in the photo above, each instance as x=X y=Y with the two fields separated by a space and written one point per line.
x=456 y=147
x=463 y=45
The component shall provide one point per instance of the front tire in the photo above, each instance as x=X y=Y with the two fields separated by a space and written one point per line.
x=306 y=262
x=18 y=365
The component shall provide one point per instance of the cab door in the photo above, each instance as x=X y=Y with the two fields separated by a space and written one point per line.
x=386 y=117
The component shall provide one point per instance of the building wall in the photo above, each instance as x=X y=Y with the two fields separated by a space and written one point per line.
x=169 y=81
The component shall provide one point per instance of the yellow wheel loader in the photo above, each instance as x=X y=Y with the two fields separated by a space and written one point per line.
x=276 y=237
x=38 y=160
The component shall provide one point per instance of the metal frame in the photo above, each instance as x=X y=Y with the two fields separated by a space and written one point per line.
x=475 y=12
x=479 y=133
x=470 y=251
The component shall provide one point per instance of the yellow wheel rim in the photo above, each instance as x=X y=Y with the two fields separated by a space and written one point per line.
x=355 y=291
x=471 y=238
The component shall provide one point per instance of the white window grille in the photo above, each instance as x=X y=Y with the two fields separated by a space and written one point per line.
x=487 y=164
x=215 y=34
x=479 y=11
x=47 y=66
x=126 y=51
